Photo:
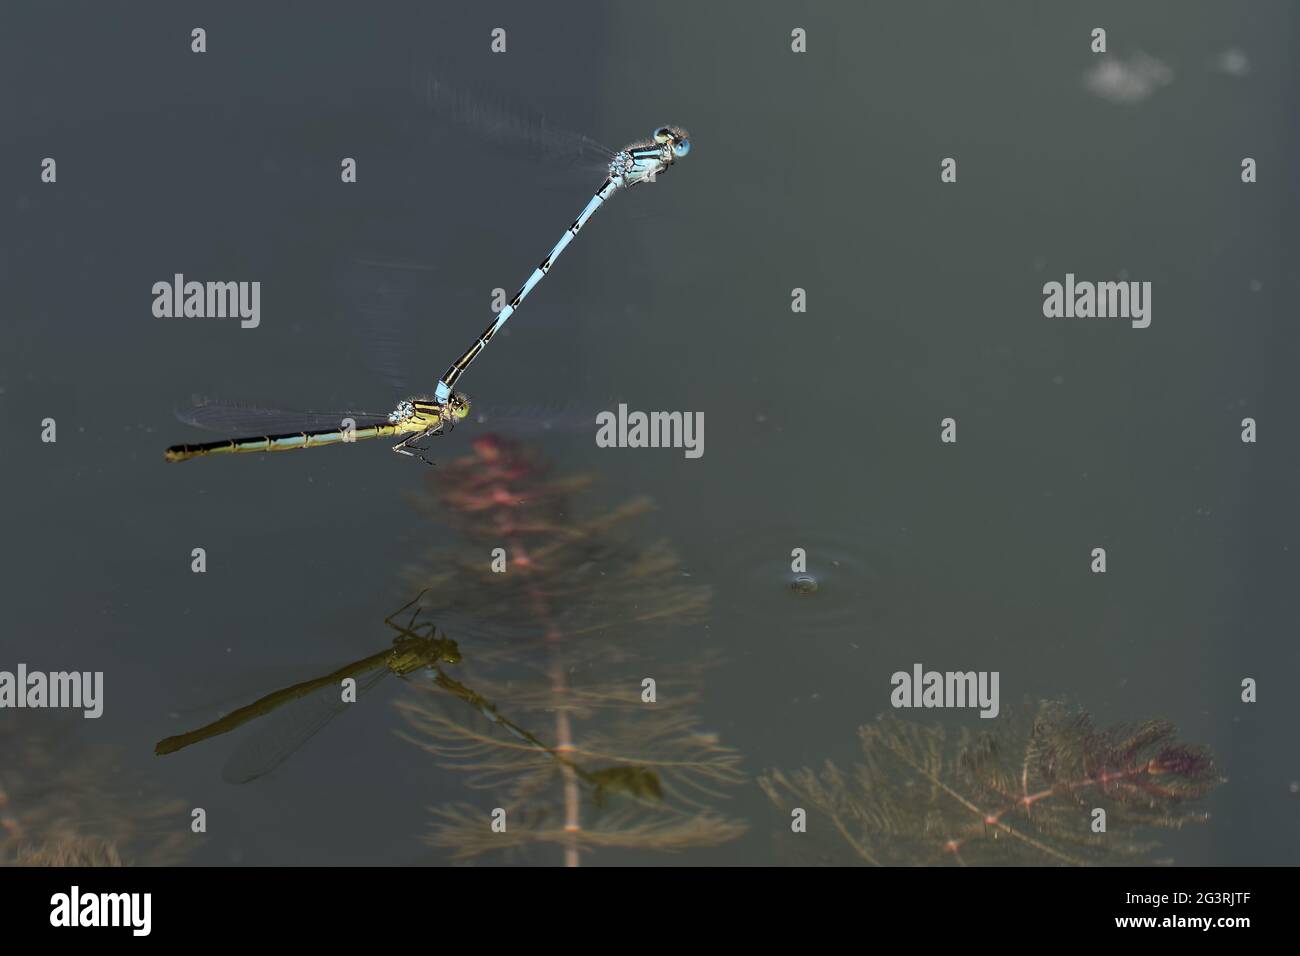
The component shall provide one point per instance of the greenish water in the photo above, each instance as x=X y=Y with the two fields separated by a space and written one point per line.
x=817 y=171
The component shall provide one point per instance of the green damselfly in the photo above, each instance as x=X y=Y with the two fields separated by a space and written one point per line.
x=306 y=707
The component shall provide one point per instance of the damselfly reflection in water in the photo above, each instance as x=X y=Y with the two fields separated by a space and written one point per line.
x=307 y=707
x=319 y=700
x=421 y=417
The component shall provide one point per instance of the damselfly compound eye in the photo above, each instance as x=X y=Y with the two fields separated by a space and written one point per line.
x=663 y=134
x=681 y=148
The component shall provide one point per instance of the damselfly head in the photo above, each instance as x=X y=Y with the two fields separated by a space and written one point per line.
x=676 y=138
x=450 y=651
x=458 y=406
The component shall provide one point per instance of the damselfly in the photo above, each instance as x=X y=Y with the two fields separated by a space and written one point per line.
x=282 y=428
x=318 y=701
x=634 y=164
x=306 y=707
x=417 y=418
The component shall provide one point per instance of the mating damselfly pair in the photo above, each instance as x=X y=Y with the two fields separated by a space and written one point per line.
x=422 y=417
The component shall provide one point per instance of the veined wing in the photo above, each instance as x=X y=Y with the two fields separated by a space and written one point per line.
x=381 y=299
x=513 y=127
x=279 y=735
x=234 y=417
x=568 y=417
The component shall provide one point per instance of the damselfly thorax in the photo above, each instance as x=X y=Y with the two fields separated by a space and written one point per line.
x=426 y=415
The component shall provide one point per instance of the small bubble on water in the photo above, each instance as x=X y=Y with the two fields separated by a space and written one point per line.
x=804 y=584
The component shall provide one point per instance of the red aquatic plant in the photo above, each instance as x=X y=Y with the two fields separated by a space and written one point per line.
x=1028 y=791
x=568 y=603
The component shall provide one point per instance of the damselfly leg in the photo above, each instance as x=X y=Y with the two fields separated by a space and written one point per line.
x=414 y=614
x=413 y=441
x=410 y=442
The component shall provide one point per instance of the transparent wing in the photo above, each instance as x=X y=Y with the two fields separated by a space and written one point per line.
x=382 y=296
x=279 y=735
x=567 y=417
x=232 y=417
x=512 y=127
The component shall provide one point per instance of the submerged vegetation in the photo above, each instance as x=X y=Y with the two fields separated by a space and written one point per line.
x=569 y=613
x=66 y=804
x=559 y=690
x=1026 y=792
x=534 y=634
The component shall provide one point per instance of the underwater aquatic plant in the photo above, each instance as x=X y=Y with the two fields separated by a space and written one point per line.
x=1024 y=792
x=562 y=642
x=65 y=804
